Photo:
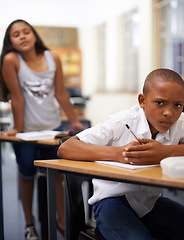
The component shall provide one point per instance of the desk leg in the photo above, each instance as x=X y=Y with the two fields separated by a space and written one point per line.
x=51 y=197
x=1 y=199
x=66 y=205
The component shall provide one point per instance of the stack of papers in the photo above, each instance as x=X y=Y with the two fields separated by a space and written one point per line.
x=39 y=135
x=125 y=165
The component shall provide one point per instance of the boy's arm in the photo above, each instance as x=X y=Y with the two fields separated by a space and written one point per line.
x=151 y=152
x=75 y=149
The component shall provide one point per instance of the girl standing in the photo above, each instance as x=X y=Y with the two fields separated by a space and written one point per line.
x=31 y=76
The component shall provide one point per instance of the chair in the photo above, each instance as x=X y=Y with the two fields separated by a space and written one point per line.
x=66 y=124
x=78 y=229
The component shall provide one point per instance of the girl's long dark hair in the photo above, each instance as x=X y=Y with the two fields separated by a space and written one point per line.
x=7 y=47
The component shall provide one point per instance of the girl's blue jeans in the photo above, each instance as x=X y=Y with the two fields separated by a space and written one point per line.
x=27 y=153
x=116 y=220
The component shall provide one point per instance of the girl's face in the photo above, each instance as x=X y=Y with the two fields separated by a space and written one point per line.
x=22 y=37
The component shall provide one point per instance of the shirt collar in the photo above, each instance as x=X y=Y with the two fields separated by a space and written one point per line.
x=143 y=129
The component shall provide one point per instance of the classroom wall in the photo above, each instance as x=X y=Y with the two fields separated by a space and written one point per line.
x=103 y=104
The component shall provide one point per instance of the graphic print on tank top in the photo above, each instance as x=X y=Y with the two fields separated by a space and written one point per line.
x=38 y=89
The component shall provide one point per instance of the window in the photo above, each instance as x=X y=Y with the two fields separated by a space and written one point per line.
x=101 y=37
x=171 y=37
x=131 y=50
x=118 y=43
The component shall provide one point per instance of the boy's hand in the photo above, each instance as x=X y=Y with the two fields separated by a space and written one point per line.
x=120 y=157
x=150 y=152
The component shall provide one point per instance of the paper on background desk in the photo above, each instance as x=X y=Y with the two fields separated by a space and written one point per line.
x=124 y=165
x=39 y=135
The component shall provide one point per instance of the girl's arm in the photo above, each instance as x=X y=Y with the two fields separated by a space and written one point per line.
x=10 y=69
x=62 y=95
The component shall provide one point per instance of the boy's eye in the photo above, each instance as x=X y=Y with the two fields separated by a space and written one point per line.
x=178 y=105
x=159 y=103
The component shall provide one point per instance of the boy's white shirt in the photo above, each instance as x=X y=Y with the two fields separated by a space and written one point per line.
x=114 y=133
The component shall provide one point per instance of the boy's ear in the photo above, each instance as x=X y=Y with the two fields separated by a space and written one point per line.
x=141 y=99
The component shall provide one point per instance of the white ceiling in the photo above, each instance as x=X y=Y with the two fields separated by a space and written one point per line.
x=76 y=13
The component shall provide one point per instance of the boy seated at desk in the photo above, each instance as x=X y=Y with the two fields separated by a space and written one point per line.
x=127 y=211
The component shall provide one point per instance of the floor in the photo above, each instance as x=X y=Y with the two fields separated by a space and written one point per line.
x=13 y=214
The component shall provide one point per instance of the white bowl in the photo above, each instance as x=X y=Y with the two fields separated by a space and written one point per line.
x=173 y=167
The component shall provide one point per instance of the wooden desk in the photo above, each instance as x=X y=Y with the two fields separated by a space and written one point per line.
x=48 y=142
x=147 y=176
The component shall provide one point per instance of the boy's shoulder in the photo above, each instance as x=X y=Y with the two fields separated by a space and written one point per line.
x=181 y=118
x=178 y=127
x=127 y=114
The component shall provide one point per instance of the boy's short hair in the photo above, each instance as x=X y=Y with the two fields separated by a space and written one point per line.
x=162 y=74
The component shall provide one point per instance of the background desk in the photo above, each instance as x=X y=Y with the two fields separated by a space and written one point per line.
x=148 y=176
x=45 y=142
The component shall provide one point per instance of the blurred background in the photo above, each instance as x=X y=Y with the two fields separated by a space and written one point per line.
x=107 y=47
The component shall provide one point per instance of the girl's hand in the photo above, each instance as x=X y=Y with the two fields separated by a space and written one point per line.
x=11 y=132
x=76 y=126
x=150 y=152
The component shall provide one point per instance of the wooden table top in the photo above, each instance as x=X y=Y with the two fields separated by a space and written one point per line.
x=43 y=141
x=151 y=175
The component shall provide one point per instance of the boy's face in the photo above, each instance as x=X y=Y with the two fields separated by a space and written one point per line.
x=163 y=104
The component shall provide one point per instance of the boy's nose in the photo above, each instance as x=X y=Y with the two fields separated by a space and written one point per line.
x=168 y=112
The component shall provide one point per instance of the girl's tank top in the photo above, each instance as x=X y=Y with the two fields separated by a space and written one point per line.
x=41 y=110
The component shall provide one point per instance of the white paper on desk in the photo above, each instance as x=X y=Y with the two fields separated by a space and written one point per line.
x=39 y=135
x=125 y=165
